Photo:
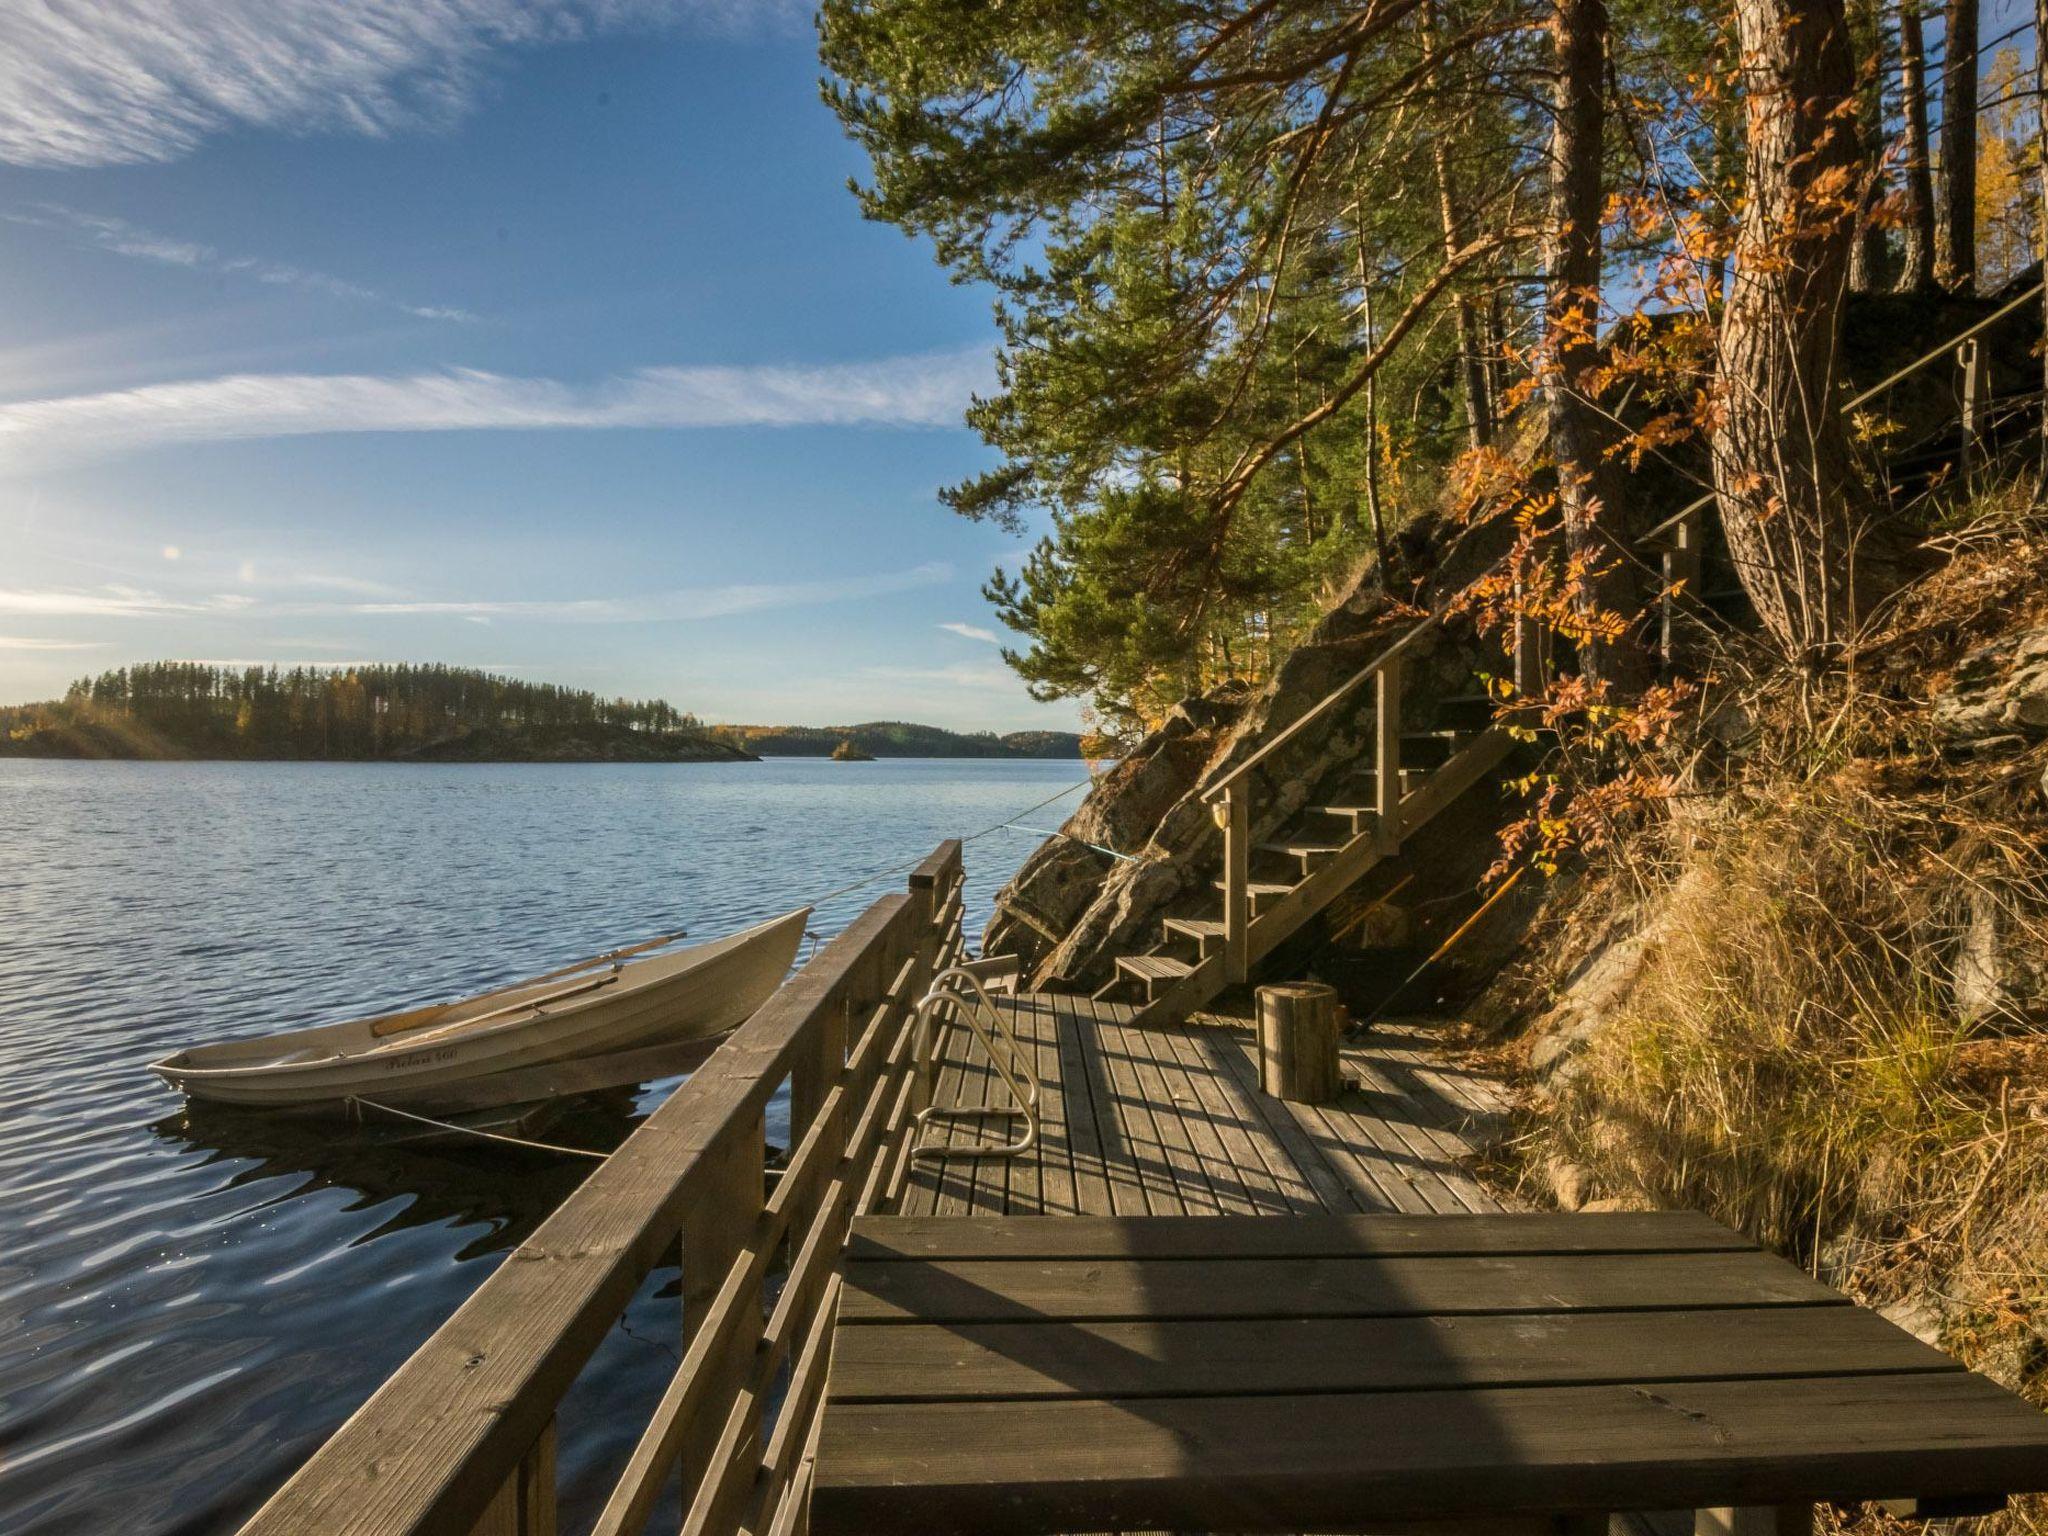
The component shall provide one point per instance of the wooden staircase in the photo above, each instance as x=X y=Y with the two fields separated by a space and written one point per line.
x=1415 y=774
x=1270 y=889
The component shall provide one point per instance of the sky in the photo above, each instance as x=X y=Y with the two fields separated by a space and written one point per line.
x=535 y=335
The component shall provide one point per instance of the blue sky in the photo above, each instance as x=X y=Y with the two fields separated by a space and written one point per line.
x=539 y=335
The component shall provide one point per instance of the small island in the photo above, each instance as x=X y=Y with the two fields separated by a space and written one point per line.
x=847 y=752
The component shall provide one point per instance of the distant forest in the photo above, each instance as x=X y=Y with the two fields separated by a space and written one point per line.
x=897 y=738
x=190 y=709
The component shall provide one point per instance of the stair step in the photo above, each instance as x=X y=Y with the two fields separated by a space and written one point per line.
x=1356 y=813
x=1302 y=850
x=1201 y=928
x=1150 y=968
x=1260 y=890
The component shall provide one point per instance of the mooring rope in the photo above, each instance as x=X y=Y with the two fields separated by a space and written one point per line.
x=897 y=869
x=470 y=1130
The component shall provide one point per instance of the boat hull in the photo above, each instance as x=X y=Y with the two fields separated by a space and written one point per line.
x=691 y=995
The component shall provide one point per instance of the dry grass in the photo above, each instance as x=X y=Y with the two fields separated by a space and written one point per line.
x=1789 y=1058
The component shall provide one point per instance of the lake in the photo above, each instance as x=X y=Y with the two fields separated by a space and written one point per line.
x=190 y=1302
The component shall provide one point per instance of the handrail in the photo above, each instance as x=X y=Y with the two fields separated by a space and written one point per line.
x=461 y=1438
x=1681 y=573
x=1941 y=351
x=1408 y=638
x=1329 y=700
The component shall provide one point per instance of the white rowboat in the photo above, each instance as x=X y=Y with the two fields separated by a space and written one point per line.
x=443 y=1050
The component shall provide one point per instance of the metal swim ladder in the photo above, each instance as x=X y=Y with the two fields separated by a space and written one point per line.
x=958 y=994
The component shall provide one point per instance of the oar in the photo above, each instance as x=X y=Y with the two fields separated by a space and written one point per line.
x=414 y=1018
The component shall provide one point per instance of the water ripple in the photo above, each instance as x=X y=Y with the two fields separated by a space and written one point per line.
x=190 y=1301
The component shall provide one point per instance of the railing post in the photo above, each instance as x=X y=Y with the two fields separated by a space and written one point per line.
x=525 y=1504
x=1237 y=864
x=1387 y=756
x=1681 y=570
x=1975 y=365
x=717 y=1221
x=1525 y=649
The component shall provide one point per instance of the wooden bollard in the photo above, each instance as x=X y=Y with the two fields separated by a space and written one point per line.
x=1298 y=1028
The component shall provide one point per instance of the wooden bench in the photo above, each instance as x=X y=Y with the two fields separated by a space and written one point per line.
x=1039 y=1375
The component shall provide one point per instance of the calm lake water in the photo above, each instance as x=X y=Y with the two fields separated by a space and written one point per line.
x=188 y=1302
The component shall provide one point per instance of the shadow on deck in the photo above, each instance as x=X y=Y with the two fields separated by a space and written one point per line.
x=1170 y=1121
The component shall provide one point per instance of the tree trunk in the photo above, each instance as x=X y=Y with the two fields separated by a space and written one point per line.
x=2041 y=155
x=1790 y=500
x=1869 y=255
x=1588 y=491
x=1471 y=352
x=1916 y=273
x=1956 y=233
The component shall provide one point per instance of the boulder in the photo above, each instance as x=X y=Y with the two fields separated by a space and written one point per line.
x=2000 y=980
x=1065 y=874
x=2000 y=689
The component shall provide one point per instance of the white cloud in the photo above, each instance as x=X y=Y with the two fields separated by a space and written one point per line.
x=961 y=674
x=917 y=391
x=679 y=605
x=972 y=632
x=122 y=81
x=172 y=552
x=125 y=239
x=32 y=643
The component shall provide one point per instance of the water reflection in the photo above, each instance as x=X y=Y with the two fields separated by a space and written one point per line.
x=412 y=1175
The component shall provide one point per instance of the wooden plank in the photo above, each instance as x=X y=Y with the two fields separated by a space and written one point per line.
x=1024 y=1190
x=1240 y=1126
x=1257 y=1357
x=1104 y=1188
x=1138 y=1184
x=1174 y=1146
x=1290 y=1463
x=995 y=1291
x=1239 y=1172
x=1423 y=1161
x=1344 y=1183
x=1295 y=1164
x=1319 y=1236
x=1425 y=1132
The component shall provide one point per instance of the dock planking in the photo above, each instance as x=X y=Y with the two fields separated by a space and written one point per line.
x=1152 y=1120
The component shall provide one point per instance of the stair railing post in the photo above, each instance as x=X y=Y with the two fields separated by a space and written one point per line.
x=1237 y=864
x=1681 y=570
x=1525 y=649
x=1387 y=756
x=1974 y=364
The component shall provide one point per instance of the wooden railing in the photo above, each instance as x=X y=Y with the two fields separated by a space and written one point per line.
x=1681 y=537
x=462 y=1437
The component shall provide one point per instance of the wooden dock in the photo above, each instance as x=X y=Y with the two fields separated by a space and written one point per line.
x=1141 y=1124
x=1169 y=1120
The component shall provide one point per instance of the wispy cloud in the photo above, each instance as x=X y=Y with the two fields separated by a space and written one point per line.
x=919 y=391
x=961 y=674
x=33 y=643
x=125 y=239
x=972 y=632
x=122 y=81
x=677 y=605
x=680 y=604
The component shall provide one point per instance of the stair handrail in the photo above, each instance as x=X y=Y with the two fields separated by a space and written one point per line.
x=1681 y=572
x=1941 y=350
x=1329 y=701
